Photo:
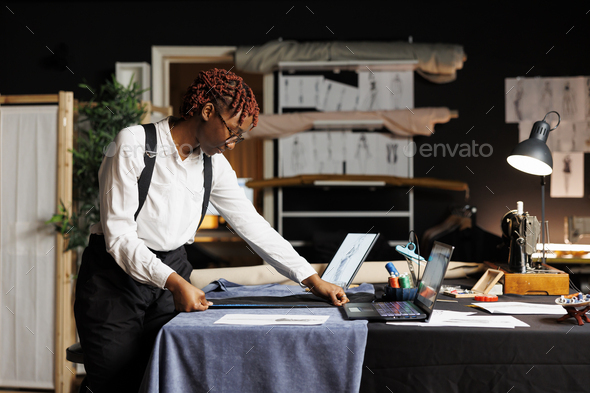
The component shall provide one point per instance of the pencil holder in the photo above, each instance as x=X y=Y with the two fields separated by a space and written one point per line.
x=400 y=293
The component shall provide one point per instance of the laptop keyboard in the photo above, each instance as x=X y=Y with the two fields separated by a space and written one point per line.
x=396 y=309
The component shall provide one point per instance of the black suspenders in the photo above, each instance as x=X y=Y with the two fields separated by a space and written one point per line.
x=207 y=182
x=151 y=142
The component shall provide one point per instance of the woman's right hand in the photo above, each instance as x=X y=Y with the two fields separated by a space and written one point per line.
x=186 y=296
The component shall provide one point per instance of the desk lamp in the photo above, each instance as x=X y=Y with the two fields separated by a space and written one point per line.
x=534 y=157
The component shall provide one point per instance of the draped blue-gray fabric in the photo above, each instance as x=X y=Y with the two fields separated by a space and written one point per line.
x=222 y=289
x=192 y=354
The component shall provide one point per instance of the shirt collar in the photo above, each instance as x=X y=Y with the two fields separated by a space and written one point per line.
x=167 y=142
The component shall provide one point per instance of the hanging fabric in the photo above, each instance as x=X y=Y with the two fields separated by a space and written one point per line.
x=436 y=62
x=400 y=122
x=28 y=184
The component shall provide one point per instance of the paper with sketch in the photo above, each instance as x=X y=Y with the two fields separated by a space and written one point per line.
x=484 y=321
x=384 y=90
x=301 y=91
x=436 y=315
x=272 y=319
x=521 y=308
x=343 y=152
x=337 y=97
x=466 y=319
x=532 y=98
x=567 y=179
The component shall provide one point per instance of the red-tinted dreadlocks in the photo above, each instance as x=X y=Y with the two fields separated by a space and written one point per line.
x=220 y=87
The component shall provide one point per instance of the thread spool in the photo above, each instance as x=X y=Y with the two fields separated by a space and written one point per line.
x=393 y=282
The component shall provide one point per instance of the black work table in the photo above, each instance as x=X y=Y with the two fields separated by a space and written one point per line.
x=546 y=357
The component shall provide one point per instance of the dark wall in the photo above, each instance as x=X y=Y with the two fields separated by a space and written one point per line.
x=48 y=47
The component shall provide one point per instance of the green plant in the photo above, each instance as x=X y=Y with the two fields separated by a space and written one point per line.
x=111 y=108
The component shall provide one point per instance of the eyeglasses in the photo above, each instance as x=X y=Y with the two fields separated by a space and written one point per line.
x=234 y=138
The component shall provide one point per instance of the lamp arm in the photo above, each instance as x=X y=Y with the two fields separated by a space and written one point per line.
x=543 y=213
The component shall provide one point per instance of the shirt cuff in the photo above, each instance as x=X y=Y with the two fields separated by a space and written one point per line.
x=303 y=273
x=161 y=276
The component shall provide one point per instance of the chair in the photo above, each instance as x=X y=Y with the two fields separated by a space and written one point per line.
x=75 y=354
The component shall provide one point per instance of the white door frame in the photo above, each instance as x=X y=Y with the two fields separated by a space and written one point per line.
x=163 y=56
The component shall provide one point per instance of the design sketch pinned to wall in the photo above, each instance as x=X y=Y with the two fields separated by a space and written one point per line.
x=569 y=107
x=363 y=160
x=334 y=152
x=396 y=163
x=521 y=103
x=377 y=154
x=546 y=96
x=532 y=98
x=343 y=152
x=301 y=91
x=312 y=153
x=337 y=97
x=298 y=153
x=569 y=137
x=567 y=179
x=385 y=90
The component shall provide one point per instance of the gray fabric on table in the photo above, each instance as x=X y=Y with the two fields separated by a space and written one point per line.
x=191 y=354
x=223 y=289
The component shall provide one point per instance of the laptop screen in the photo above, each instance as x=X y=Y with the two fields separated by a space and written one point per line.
x=433 y=276
x=349 y=258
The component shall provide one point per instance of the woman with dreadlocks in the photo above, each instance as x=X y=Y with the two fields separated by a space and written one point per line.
x=135 y=274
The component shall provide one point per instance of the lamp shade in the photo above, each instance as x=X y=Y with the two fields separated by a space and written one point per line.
x=533 y=155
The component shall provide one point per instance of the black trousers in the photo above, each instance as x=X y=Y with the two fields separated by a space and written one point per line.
x=118 y=318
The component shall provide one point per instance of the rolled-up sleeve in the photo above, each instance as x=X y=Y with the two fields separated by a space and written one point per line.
x=119 y=200
x=229 y=199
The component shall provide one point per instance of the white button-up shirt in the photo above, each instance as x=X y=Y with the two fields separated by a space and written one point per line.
x=172 y=209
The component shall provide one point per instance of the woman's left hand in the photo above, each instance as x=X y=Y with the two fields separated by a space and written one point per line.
x=326 y=290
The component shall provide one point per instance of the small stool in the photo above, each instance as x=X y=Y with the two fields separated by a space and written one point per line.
x=572 y=312
x=75 y=354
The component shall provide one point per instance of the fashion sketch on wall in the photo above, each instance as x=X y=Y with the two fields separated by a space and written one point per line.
x=308 y=153
x=338 y=97
x=532 y=98
x=343 y=152
x=529 y=99
x=385 y=90
x=301 y=91
x=567 y=179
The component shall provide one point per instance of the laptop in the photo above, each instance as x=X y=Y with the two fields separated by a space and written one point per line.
x=348 y=259
x=419 y=309
x=340 y=271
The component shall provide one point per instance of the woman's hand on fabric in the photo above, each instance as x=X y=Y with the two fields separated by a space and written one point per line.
x=186 y=296
x=326 y=290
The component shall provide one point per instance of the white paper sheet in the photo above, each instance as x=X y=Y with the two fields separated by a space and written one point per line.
x=521 y=308
x=531 y=98
x=436 y=315
x=325 y=152
x=272 y=319
x=567 y=179
x=384 y=90
x=467 y=319
x=337 y=97
x=301 y=91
